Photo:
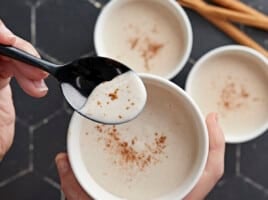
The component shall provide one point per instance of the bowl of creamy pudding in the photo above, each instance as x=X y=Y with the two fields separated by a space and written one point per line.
x=149 y=36
x=233 y=81
x=161 y=154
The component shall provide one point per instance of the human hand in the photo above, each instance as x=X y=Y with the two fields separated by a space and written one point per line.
x=213 y=171
x=215 y=164
x=29 y=78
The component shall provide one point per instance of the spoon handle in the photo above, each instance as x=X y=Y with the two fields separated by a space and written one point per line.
x=24 y=57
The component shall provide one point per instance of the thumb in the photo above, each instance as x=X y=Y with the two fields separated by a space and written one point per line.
x=6 y=36
x=69 y=184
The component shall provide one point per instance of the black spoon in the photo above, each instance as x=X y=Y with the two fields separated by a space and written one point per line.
x=78 y=78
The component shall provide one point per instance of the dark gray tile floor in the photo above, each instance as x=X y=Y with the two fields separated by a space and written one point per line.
x=63 y=30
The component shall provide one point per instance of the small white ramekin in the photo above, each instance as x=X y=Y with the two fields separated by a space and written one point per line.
x=174 y=8
x=99 y=193
x=251 y=54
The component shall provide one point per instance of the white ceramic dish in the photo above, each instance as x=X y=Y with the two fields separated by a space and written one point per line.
x=97 y=192
x=242 y=54
x=173 y=8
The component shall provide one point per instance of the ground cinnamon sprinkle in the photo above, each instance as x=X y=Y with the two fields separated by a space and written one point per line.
x=126 y=153
x=133 y=42
x=114 y=94
x=145 y=45
x=99 y=128
x=233 y=95
x=99 y=103
x=150 y=51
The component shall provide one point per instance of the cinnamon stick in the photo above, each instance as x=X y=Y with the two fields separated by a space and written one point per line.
x=236 y=34
x=227 y=14
x=241 y=7
x=232 y=31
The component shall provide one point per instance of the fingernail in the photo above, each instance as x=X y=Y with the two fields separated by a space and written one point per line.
x=40 y=85
x=63 y=166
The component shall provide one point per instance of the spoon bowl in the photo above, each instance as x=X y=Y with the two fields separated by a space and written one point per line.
x=79 y=78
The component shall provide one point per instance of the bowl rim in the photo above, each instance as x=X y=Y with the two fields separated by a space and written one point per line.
x=215 y=52
x=185 y=23
x=202 y=158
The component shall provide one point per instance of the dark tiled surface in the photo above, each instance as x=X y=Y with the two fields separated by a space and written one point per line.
x=251 y=158
x=63 y=30
x=29 y=186
x=32 y=110
x=17 y=15
x=17 y=159
x=49 y=139
x=205 y=36
x=235 y=189
x=68 y=25
x=230 y=161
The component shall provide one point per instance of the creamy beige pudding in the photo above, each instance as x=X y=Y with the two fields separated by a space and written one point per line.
x=118 y=100
x=145 y=36
x=236 y=86
x=145 y=158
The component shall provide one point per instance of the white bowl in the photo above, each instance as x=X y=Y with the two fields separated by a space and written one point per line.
x=240 y=53
x=97 y=192
x=174 y=8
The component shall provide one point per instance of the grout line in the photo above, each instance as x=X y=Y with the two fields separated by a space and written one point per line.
x=36 y=4
x=47 y=56
x=33 y=7
x=192 y=61
x=96 y=3
x=21 y=121
x=254 y=184
x=39 y=3
x=31 y=149
x=237 y=160
x=33 y=25
x=15 y=177
x=51 y=182
x=45 y=120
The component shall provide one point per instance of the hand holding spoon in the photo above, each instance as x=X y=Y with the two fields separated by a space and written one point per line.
x=103 y=77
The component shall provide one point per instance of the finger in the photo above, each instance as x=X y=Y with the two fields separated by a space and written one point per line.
x=215 y=163
x=216 y=136
x=31 y=87
x=25 y=46
x=69 y=184
x=27 y=70
x=216 y=146
x=6 y=36
x=7 y=121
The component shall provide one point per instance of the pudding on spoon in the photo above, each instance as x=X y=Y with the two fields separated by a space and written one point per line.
x=117 y=101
